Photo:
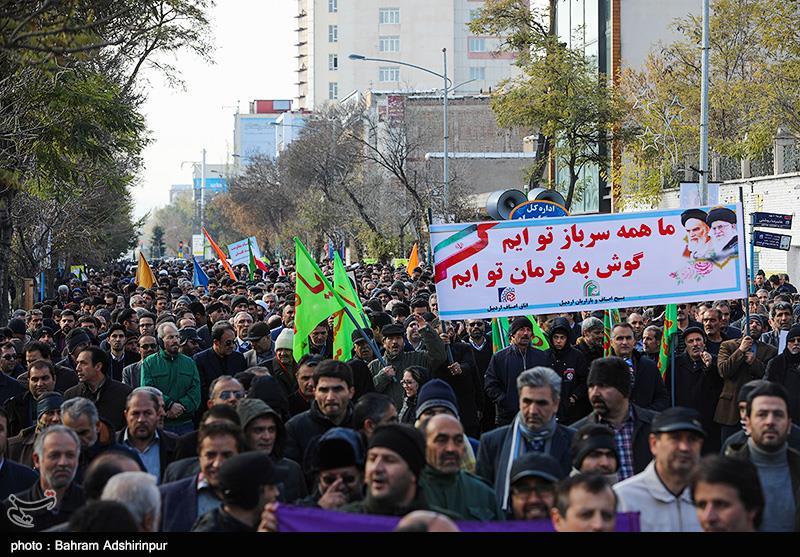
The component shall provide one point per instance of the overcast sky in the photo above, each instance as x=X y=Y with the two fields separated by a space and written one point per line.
x=254 y=59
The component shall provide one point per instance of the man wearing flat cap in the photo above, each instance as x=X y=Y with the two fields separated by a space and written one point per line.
x=698 y=240
x=506 y=365
x=387 y=379
x=661 y=494
x=261 y=353
x=247 y=483
x=722 y=222
x=740 y=361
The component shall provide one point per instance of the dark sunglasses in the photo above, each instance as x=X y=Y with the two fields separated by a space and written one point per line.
x=348 y=479
x=9 y=357
x=148 y=346
x=225 y=395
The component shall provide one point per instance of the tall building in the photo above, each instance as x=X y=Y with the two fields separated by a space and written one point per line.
x=254 y=133
x=411 y=31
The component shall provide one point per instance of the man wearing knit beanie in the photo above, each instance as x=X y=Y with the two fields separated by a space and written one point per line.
x=506 y=365
x=436 y=397
x=395 y=458
x=594 y=452
x=609 y=392
x=784 y=369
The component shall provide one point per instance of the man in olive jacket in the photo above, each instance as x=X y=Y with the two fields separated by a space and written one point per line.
x=176 y=376
x=387 y=379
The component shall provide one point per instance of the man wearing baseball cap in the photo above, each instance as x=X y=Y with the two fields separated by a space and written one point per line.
x=261 y=353
x=190 y=341
x=660 y=493
x=247 y=483
x=533 y=479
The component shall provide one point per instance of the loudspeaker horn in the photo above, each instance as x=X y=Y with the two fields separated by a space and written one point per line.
x=545 y=194
x=500 y=203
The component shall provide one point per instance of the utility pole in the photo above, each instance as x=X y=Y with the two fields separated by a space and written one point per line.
x=202 y=191
x=445 y=164
x=704 y=108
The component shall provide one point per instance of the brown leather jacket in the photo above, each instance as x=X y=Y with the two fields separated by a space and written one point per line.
x=736 y=372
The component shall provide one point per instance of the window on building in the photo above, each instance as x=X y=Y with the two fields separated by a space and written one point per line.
x=389 y=16
x=389 y=74
x=477 y=45
x=333 y=62
x=389 y=44
x=477 y=73
x=333 y=91
x=333 y=33
x=333 y=6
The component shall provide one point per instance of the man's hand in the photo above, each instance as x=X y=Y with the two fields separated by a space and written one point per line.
x=455 y=368
x=420 y=320
x=389 y=371
x=269 y=518
x=333 y=498
x=707 y=359
x=445 y=338
x=749 y=357
x=746 y=344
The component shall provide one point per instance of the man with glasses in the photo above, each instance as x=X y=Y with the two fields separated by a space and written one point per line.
x=781 y=318
x=225 y=390
x=176 y=376
x=784 y=369
x=131 y=375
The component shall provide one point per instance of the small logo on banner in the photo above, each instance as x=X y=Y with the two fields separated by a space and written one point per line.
x=506 y=294
x=590 y=288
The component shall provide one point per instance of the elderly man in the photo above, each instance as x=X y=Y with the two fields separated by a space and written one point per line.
x=659 y=494
x=591 y=340
x=176 y=376
x=261 y=353
x=48 y=412
x=241 y=323
x=533 y=429
x=138 y=492
x=443 y=482
x=56 y=456
x=698 y=238
x=506 y=365
x=722 y=222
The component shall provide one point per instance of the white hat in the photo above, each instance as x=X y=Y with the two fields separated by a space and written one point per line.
x=285 y=339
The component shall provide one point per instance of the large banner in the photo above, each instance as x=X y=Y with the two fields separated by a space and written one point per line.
x=240 y=253
x=492 y=269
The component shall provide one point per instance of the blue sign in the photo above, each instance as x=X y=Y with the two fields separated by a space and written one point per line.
x=214 y=184
x=772 y=220
x=537 y=210
x=771 y=241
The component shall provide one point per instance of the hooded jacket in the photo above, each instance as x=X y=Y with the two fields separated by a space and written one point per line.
x=570 y=364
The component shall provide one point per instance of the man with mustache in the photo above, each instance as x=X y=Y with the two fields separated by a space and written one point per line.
x=534 y=479
x=56 y=456
x=443 y=482
x=609 y=392
x=769 y=421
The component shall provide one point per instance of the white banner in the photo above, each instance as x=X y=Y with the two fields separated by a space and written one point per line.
x=239 y=254
x=198 y=244
x=522 y=267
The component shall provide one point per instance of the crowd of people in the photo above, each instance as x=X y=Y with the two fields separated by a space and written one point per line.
x=180 y=408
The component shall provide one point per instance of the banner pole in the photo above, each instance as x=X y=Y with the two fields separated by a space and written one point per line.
x=672 y=343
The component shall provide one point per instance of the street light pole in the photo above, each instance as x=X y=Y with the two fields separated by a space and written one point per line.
x=202 y=191
x=704 y=108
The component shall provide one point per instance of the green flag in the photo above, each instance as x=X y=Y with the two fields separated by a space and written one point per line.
x=670 y=328
x=251 y=267
x=343 y=327
x=539 y=339
x=610 y=318
x=499 y=333
x=315 y=299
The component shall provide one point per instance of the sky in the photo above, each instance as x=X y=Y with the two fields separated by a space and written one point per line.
x=254 y=59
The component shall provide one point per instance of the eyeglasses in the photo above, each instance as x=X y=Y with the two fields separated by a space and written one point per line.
x=793 y=340
x=225 y=395
x=348 y=479
x=228 y=343
x=148 y=346
x=539 y=489
x=407 y=382
x=476 y=324
x=10 y=357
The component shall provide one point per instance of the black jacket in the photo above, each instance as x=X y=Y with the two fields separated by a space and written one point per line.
x=648 y=390
x=298 y=404
x=640 y=444
x=167 y=444
x=43 y=519
x=696 y=386
x=110 y=400
x=218 y=520
x=212 y=366
x=781 y=369
x=15 y=478
x=9 y=387
x=128 y=358
x=570 y=364
x=590 y=353
x=301 y=429
x=21 y=410
x=362 y=378
x=467 y=386
x=500 y=382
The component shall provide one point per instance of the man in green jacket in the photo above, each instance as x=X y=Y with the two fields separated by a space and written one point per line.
x=443 y=482
x=387 y=379
x=176 y=376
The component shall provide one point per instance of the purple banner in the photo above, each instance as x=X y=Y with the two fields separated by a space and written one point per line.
x=309 y=519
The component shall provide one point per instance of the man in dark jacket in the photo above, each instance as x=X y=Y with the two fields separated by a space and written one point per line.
x=264 y=431
x=220 y=359
x=119 y=358
x=48 y=412
x=332 y=407
x=362 y=356
x=9 y=386
x=387 y=379
x=155 y=446
x=482 y=350
x=533 y=429
x=77 y=340
x=462 y=376
x=784 y=369
x=591 y=340
x=781 y=318
x=570 y=364
x=65 y=377
x=609 y=392
x=21 y=409
x=506 y=365
x=648 y=390
x=108 y=395
x=13 y=477
x=698 y=385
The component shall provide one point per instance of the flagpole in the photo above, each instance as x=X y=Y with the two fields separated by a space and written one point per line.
x=672 y=340
x=360 y=328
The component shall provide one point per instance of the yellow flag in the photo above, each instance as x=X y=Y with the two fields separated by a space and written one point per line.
x=413 y=260
x=144 y=274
